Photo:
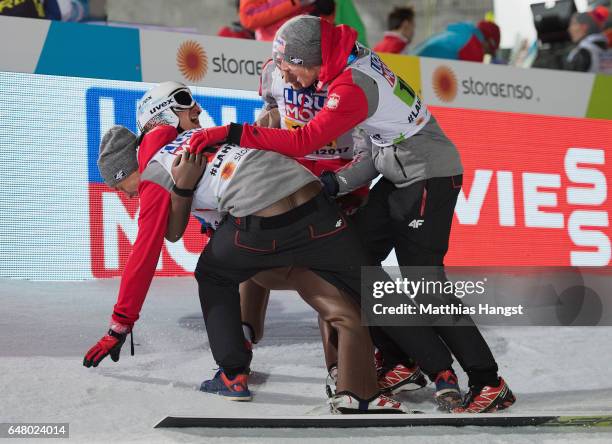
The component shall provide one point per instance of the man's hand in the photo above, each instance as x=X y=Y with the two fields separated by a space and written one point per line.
x=207 y=137
x=110 y=344
x=330 y=183
x=187 y=169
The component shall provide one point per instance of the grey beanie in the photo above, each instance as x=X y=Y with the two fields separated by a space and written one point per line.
x=298 y=41
x=118 y=158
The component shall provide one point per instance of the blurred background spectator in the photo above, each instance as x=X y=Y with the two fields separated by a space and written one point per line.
x=65 y=10
x=591 y=52
x=367 y=16
x=25 y=8
x=533 y=32
x=400 y=31
x=462 y=41
x=264 y=17
x=235 y=29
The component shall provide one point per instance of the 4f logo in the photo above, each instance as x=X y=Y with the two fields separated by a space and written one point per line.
x=416 y=223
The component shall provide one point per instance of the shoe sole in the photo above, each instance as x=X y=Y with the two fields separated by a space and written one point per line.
x=238 y=398
x=230 y=397
x=448 y=400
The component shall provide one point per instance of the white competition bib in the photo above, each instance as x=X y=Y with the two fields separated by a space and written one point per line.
x=221 y=168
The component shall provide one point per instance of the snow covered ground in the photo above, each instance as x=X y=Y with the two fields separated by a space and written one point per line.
x=45 y=328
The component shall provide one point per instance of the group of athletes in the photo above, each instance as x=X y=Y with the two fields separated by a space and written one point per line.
x=288 y=206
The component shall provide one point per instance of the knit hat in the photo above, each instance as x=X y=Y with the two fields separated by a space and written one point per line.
x=117 y=159
x=298 y=41
x=601 y=15
x=491 y=32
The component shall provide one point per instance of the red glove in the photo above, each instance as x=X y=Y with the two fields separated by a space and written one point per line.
x=110 y=344
x=206 y=137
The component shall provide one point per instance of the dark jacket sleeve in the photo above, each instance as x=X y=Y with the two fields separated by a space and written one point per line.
x=580 y=62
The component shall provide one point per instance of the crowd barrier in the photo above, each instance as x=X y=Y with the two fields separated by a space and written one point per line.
x=107 y=52
x=535 y=144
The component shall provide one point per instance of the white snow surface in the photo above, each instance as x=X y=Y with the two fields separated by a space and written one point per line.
x=46 y=327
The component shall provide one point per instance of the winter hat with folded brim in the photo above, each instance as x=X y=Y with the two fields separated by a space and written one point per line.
x=491 y=32
x=117 y=158
x=298 y=41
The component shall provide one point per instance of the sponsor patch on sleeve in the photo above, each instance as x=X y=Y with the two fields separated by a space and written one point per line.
x=332 y=101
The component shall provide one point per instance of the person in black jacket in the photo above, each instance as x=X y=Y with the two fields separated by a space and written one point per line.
x=591 y=53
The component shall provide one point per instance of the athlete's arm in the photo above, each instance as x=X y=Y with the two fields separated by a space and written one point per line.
x=361 y=170
x=186 y=172
x=178 y=217
x=141 y=264
x=266 y=81
x=269 y=115
x=345 y=108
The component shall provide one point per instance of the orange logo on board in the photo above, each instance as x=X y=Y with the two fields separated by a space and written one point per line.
x=192 y=61
x=444 y=83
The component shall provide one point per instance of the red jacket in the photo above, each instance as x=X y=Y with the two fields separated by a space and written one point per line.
x=266 y=16
x=152 y=225
x=392 y=42
x=350 y=106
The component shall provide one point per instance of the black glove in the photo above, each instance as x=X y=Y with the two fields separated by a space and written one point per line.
x=330 y=183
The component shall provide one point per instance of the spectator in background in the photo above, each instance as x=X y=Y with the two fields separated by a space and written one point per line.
x=68 y=10
x=235 y=29
x=400 y=25
x=591 y=53
x=25 y=8
x=64 y=10
x=266 y=16
x=462 y=41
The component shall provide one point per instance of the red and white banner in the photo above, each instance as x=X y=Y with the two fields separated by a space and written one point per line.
x=535 y=191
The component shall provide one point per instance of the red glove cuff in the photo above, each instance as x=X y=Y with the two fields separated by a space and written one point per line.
x=120 y=327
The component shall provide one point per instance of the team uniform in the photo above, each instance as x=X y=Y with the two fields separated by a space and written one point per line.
x=238 y=182
x=422 y=176
x=296 y=108
x=220 y=191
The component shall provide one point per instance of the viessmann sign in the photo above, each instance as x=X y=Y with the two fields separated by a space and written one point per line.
x=501 y=88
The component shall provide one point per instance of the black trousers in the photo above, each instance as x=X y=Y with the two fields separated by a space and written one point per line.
x=416 y=221
x=315 y=235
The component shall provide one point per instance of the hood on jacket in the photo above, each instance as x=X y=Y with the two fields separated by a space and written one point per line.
x=465 y=29
x=337 y=42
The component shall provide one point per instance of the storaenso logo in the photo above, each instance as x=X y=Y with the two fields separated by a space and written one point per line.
x=230 y=65
x=497 y=89
x=445 y=85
